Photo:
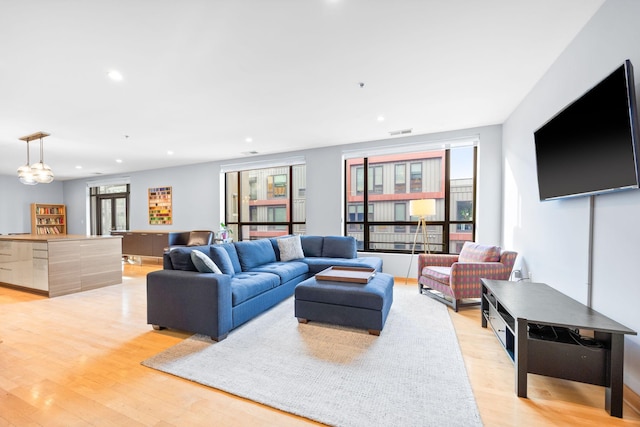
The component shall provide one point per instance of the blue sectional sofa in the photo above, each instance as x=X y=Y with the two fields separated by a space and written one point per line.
x=253 y=277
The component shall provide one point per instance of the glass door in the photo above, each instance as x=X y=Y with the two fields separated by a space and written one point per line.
x=109 y=209
x=113 y=214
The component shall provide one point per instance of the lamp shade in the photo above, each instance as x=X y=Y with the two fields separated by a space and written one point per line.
x=422 y=207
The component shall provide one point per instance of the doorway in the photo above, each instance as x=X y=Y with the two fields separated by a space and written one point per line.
x=109 y=209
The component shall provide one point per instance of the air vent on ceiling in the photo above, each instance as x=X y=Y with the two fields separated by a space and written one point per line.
x=400 y=132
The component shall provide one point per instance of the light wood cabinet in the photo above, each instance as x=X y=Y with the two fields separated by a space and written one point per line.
x=48 y=219
x=60 y=265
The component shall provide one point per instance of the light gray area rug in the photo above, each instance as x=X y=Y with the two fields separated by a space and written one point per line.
x=413 y=374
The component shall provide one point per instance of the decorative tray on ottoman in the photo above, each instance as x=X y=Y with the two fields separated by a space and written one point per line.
x=347 y=274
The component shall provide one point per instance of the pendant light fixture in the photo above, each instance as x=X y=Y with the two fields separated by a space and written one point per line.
x=25 y=174
x=38 y=172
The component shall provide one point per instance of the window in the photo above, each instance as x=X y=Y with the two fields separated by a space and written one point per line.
x=266 y=202
x=375 y=179
x=416 y=177
x=463 y=213
x=400 y=185
x=277 y=186
x=448 y=176
x=359 y=176
x=276 y=214
x=400 y=215
x=253 y=188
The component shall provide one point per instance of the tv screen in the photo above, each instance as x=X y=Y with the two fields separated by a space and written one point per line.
x=590 y=147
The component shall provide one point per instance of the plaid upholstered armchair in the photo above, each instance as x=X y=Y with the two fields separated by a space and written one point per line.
x=454 y=278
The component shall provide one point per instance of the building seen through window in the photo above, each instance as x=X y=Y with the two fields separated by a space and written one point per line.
x=267 y=202
x=448 y=176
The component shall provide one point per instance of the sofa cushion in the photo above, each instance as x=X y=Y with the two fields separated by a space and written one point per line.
x=473 y=252
x=438 y=274
x=286 y=270
x=312 y=245
x=340 y=247
x=253 y=253
x=203 y=263
x=181 y=259
x=233 y=255
x=274 y=243
x=290 y=248
x=221 y=258
x=246 y=285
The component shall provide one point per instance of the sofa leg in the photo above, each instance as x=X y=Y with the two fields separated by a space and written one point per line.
x=157 y=327
x=420 y=288
x=374 y=332
x=220 y=338
x=302 y=320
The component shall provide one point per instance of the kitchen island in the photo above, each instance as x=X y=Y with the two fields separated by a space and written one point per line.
x=54 y=265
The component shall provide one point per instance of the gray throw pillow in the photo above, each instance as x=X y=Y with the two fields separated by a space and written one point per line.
x=203 y=263
x=290 y=248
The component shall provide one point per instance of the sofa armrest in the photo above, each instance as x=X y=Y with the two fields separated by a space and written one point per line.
x=435 y=260
x=190 y=301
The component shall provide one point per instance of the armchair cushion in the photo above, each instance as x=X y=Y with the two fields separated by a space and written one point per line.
x=199 y=238
x=473 y=252
x=439 y=274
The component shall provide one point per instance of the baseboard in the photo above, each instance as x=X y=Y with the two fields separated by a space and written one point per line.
x=406 y=280
x=632 y=399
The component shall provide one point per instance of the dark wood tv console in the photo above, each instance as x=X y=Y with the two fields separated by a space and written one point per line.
x=516 y=312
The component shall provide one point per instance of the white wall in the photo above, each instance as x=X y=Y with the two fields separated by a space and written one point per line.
x=196 y=195
x=16 y=199
x=552 y=237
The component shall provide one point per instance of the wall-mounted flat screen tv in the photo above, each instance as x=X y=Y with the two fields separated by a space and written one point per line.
x=590 y=147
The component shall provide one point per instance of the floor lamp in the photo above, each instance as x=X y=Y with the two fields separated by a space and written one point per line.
x=421 y=208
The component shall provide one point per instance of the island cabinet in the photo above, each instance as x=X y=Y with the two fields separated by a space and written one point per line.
x=60 y=265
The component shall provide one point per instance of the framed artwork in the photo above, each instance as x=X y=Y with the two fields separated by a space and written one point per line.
x=160 y=208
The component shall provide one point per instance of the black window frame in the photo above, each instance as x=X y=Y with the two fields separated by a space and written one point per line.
x=367 y=223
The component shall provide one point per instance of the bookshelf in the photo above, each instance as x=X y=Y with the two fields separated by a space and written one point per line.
x=48 y=219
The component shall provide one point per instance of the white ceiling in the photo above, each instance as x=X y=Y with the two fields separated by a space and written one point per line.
x=201 y=76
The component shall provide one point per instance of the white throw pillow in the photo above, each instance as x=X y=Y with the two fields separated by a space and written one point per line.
x=290 y=248
x=203 y=263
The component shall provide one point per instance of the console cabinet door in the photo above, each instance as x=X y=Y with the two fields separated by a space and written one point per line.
x=159 y=242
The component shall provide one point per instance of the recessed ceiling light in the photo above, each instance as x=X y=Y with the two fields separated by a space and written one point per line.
x=170 y=153
x=381 y=118
x=78 y=167
x=118 y=160
x=249 y=139
x=115 y=75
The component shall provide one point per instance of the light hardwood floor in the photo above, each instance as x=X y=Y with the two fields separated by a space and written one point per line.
x=75 y=361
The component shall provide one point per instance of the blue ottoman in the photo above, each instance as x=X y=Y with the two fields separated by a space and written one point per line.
x=357 y=305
